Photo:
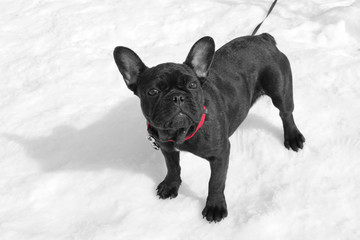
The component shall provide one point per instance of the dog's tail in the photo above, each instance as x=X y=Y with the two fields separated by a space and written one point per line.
x=258 y=26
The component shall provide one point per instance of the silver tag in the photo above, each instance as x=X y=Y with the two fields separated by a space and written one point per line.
x=153 y=142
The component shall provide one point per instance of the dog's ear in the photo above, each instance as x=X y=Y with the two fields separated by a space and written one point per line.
x=201 y=56
x=130 y=66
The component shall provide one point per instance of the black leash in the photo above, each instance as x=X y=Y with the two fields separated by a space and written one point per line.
x=258 y=26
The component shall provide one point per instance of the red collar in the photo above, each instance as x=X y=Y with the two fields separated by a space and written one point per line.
x=197 y=128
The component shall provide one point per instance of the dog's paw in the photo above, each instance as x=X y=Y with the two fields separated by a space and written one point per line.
x=167 y=189
x=295 y=141
x=215 y=212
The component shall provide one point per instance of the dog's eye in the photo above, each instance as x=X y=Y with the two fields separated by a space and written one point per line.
x=192 y=85
x=153 y=92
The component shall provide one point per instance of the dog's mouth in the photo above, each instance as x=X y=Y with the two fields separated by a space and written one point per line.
x=176 y=129
x=182 y=133
x=177 y=136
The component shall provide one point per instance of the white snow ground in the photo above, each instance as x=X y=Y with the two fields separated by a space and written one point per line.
x=74 y=162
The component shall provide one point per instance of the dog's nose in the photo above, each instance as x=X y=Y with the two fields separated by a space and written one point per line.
x=179 y=100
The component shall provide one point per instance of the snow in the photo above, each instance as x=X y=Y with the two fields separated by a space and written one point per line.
x=75 y=163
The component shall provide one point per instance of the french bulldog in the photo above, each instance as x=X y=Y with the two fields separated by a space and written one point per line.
x=197 y=105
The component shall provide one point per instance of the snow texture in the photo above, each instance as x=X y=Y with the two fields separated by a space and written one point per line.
x=74 y=161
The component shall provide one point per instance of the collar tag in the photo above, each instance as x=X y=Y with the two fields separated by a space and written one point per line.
x=153 y=142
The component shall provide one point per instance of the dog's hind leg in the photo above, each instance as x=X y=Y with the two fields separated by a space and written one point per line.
x=277 y=84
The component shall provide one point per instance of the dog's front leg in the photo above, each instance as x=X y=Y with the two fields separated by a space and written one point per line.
x=170 y=186
x=215 y=209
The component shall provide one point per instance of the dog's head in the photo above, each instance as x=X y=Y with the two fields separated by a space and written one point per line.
x=171 y=94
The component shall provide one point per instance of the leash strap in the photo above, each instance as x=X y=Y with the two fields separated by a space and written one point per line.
x=258 y=26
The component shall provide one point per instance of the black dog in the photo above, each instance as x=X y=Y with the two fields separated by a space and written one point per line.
x=196 y=106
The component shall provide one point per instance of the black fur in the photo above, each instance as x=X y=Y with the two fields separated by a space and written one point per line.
x=227 y=82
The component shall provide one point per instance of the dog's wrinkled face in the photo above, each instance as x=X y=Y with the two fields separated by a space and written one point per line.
x=171 y=98
x=171 y=94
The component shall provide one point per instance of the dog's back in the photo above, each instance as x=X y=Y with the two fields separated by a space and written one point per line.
x=237 y=70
